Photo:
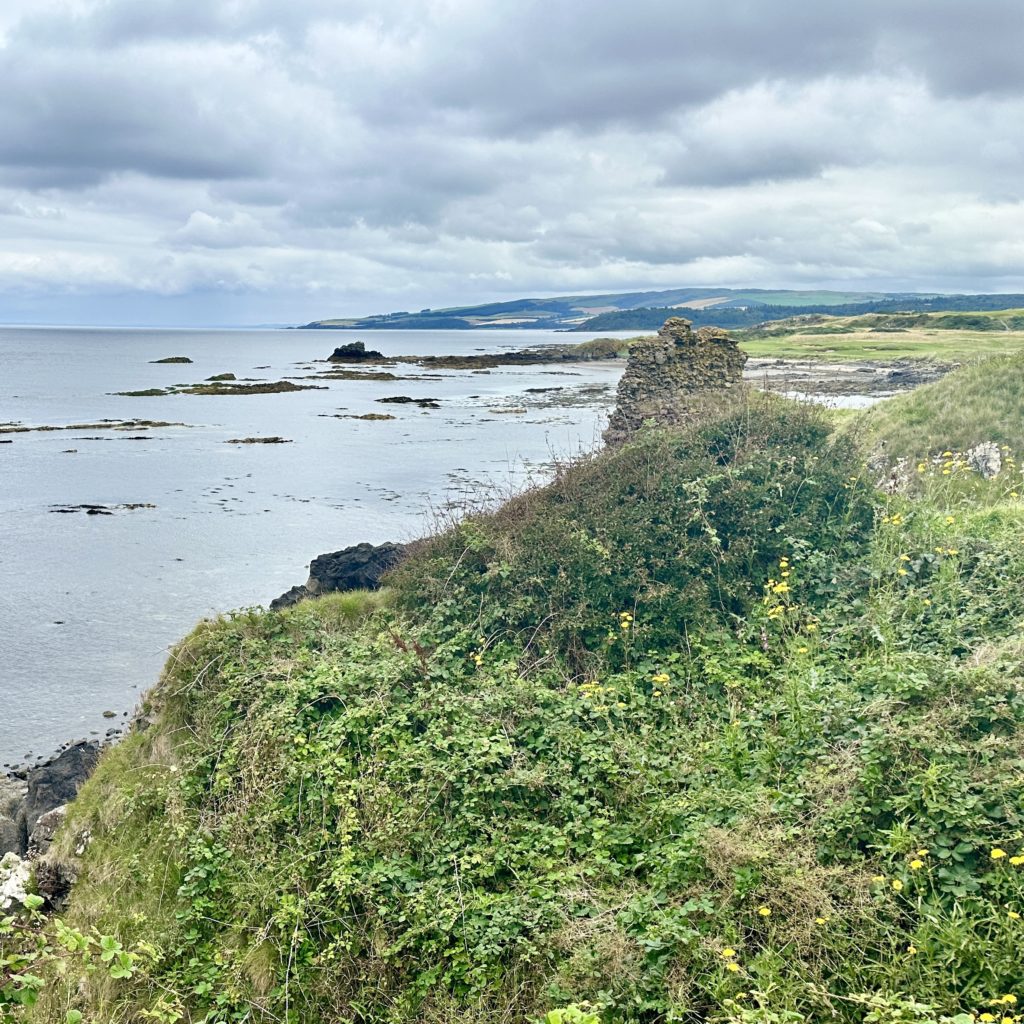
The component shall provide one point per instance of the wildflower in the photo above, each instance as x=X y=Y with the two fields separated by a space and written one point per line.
x=897 y=885
x=1009 y=1000
x=947 y=455
x=911 y=950
x=728 y=953
x=997 y=854
x=878 y=878
x=904 y=558
x=1014 y=494
x=950 y=520
x=732 y=967
x=927 y=602
x=1017 y=861
x=660 y=677
x=946 y=472
x=821 y=920
x=902 y=572
x=802 y=650
x=916 y=865
x=987 y=1017
x=764 y=911
x=921 y=467
x=922 y=853
x=657 y=693
x=1013 y=915
x=811 y=627
x=780 y=588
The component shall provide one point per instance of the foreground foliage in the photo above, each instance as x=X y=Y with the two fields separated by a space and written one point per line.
x=706 y=730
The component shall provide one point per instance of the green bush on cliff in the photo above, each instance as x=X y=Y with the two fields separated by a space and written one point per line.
x=705 y=730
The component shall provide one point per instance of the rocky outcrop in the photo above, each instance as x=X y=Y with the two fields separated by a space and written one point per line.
x=25 y=801
x=667 y=377
x=359 y=567
x=353 y=352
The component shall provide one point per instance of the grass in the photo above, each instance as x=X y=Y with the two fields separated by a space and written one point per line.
x=983 y=401
x=705 y=730
x=939 y=336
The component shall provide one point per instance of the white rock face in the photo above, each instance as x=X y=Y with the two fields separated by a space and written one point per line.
x=985 y=459
x=14 y=878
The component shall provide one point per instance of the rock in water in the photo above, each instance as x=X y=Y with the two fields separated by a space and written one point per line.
x=667 y=373
x=353 y=352
x=356 y=568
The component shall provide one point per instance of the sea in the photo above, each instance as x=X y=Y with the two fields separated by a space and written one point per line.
x=189 y=524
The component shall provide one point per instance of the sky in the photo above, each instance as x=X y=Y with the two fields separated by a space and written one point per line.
x=279 y=161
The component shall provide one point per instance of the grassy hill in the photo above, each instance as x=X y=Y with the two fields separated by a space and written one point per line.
x=707 y=729
x=722 y=307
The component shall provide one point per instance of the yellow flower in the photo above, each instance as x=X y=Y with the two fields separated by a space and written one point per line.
x=987 y=1017
x=821 y=920
x=916 y=865
x=950 y=520
x=927 y=602
x=765 y=911
x=921 y=467
x=911 y=950
x=997 y=854
x=902 y=572
x=802 y=650
x=904 y=558
x=897 y=885
x=878 y=878
x=732 y=967
x=728 y=953
x=1013 y=915
x=657 y=693
x=1010 y=1000
x=811 y=627
x=1017 y=861
x=780 y=588
x=922 y=853
x=946 y=472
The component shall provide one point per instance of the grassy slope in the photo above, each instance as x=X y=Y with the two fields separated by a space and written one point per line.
x=597 y=746
x=984 y=401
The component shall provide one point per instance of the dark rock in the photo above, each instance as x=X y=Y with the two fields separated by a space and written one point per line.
x=58 y=780
x=423 y=403
x=223 y=376
x=359 y=567
x=172 y=359
x=353 y=352
x=12 y=832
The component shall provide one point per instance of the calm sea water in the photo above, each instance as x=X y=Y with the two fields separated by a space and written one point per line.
x=90 y=604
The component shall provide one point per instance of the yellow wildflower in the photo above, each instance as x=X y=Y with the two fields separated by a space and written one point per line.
x=922 y=853
x=878 y=878
x=821 y=920
x=911 y=950
x=921 y=467
x=728 y=952
x=732 y=967
x=802 y=650
x=997 y=854
x=1009 y=1000
x=1013 y=915
x=950 y=520
x=780 y=588
x=897 y=885
x=904 y=558
x=902 y=572
x=811 y=627
x=916 y=865
x=1017 y=861
x=765 y=911
x=987 y=1017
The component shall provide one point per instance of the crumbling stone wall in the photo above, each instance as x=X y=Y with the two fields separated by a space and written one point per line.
x=667 y=374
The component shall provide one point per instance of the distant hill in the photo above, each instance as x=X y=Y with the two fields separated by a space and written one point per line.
x=626 y=311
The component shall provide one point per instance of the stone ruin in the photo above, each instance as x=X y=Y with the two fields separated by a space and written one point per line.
x=669 y=375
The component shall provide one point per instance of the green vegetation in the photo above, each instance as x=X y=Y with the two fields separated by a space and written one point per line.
x=941 y=336
x=984 y=401
x=706 y=729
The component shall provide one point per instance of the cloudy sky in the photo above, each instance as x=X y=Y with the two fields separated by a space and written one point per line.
x=257 y=161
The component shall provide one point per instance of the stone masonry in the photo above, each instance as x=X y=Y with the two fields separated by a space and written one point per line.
x=666 y=374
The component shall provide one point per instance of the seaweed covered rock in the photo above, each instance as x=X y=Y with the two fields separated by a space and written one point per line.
x=353 y=352
x=669 y=375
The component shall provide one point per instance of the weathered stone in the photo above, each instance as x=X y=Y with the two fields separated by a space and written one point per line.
x=986 y=459
x=46 y=828
x=12 y=832
x=15 y=874
x=668 y=375
x=359 y=567
x=57 y=781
